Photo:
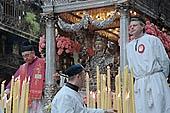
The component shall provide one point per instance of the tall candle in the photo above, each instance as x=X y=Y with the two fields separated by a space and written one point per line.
x=87 y=90
x=125 y=104
x=98 y=99
x=14 y=96
x=108 y=78
x=10 y=106
x=98 y=79
x=119 y=103
x=2 y=94
x=119 y=97
x=18 y=86
x=7 y=106
x=98 y=87
x=125 y=89
x=102 y=91
x=127 y=100
x=93 y=100
x=106 y=98
x=11 y=93
x=109 y=102
x=2 y=88
x=26 y=95
x=17 y=104
x=12 y=86
x=132 y=92
x=114 y=101
x=22 y=102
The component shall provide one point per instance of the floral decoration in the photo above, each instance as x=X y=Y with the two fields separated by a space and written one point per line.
x=66 y=45
x=63 y=45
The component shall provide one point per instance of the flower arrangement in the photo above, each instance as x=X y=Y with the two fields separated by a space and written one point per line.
x=66 y=45
x=63 y=45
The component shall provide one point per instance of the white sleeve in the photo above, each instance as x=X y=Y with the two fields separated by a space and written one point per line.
x=62 y=105
x=93 y=110
x=162 y=57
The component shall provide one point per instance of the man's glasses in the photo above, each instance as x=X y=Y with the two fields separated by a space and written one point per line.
x=26 y=55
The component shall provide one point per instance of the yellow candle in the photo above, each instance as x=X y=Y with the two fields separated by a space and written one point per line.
x=12 y=86
x=106 y=99
x=125 y=104
x=102 y=93
x=103 y=89
x=2 y=103
x=98 y=79
x=98 y=87
x=2 y=88
x=108 y=78
x=93 y=100
x=119 y=103
x=15 y=91
x=132 y=92
x=87 y=90
x=128 y=103
x=125 y=89
x=2 y=94
x=118 y=92
x=8 y=106
x=22 y=102
x=114 y=101
x=18 y=87
x=11 y=93
x=17 y=104
x=98 y=99
x=26 y=95
x=109 y=87
x=109 y=102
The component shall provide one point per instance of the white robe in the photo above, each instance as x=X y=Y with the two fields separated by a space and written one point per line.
x=1 y=111
x=151 y=68
x=70 y=101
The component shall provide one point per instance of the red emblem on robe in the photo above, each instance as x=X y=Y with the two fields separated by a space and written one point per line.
x=141 y=48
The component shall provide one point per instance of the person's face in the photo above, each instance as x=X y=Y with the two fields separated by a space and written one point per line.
x=28 y=56
x=135 y=28
x=82 y=79
x=99 y=46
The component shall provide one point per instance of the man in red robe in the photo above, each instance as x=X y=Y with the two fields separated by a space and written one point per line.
x=35 y=69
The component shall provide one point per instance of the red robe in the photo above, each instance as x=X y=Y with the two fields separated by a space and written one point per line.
x=36 y=72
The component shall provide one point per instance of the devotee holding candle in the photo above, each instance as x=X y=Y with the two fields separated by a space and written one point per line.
x=35 y=69
x=68 y=99
x=149 y=60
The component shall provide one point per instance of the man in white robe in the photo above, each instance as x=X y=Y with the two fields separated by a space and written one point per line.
x=68 y=99
x=149 y=60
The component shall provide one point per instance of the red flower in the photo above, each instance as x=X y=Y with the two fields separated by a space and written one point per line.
x=60 y=51
x=66 y=44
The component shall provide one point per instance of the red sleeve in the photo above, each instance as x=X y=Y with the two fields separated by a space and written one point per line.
x=15 y=76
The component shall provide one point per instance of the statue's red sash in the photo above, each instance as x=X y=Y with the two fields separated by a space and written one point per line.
x=37 y=79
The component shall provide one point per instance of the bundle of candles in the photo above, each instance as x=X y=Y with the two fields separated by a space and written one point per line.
x=122 y=100
x=18 y=100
